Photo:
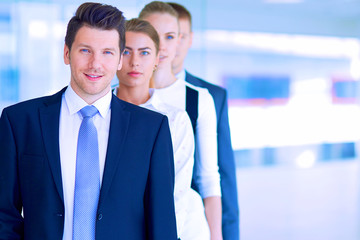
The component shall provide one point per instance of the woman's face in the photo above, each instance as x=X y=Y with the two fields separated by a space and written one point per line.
x=139 y=60
x=168 y=29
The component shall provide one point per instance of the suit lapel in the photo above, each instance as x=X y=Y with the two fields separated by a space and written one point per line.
x=119 y=123
x=191 y=79
x=49 y=120
x=188 y=77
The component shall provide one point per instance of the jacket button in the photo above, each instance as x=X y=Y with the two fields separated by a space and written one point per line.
x=100 y=216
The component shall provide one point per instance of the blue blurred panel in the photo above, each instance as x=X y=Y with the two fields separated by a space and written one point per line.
x=243 y=158
x=258 y=87
x=266 y=156
x=5 y=18
x=345 y=89
x=338 y=151
x=9 y=85
x=291 y=155
x=269 y=156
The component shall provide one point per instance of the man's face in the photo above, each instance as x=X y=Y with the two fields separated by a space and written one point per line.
x=185 y=42
x=94 y=59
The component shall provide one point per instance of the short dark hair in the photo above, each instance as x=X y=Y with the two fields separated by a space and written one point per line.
x=182 y=12
x=96 y=15
x=141 y=26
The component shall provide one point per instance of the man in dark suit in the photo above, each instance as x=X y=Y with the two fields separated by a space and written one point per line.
x=46 y=149
x=230 y=209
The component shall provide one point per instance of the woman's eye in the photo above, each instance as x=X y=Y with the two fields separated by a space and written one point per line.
x=169 y=37
x=108 y=52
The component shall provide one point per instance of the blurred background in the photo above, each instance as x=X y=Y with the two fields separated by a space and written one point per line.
x=292 y=71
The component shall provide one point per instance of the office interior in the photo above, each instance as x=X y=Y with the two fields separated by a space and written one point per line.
x=292 y=71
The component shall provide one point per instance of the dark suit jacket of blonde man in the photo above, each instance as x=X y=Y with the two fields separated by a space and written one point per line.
x=226 y=162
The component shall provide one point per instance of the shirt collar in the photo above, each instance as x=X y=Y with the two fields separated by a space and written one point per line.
x=181 y=75
x=153 y=101
x=75 y=102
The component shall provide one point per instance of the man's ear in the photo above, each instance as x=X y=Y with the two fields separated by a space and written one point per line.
x=179 y=38
x=66 y=55
x=120 y=62
x=191 y=38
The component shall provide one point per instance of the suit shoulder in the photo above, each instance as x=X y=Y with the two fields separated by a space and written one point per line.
x=139 y=111
x=141 y=119
x=213 y=89
x=28 y=105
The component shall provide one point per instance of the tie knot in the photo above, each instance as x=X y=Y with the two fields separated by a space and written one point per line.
x=88 y=111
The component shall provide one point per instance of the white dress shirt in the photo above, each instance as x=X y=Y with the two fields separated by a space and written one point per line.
x=70 y=121
x=206 y=135
x=185 y=198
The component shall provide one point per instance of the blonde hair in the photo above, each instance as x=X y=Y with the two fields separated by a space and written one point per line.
x=182 y=12
x=157 y=7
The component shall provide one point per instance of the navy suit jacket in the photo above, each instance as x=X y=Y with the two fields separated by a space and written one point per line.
x=230 y=209
x=136 y=197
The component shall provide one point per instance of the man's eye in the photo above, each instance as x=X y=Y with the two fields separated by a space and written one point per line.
x=85 y=50
x=170 y=37
x=145 y=53
x=126 y=52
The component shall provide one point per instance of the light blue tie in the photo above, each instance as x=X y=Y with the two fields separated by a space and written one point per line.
x=87 y=179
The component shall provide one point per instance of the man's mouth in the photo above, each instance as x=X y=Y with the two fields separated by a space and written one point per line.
x=93 y=77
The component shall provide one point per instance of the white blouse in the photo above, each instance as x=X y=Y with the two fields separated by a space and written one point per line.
x=206 y=136
x=183 y=146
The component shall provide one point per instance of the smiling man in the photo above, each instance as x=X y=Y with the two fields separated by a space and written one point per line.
x=82 y=164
